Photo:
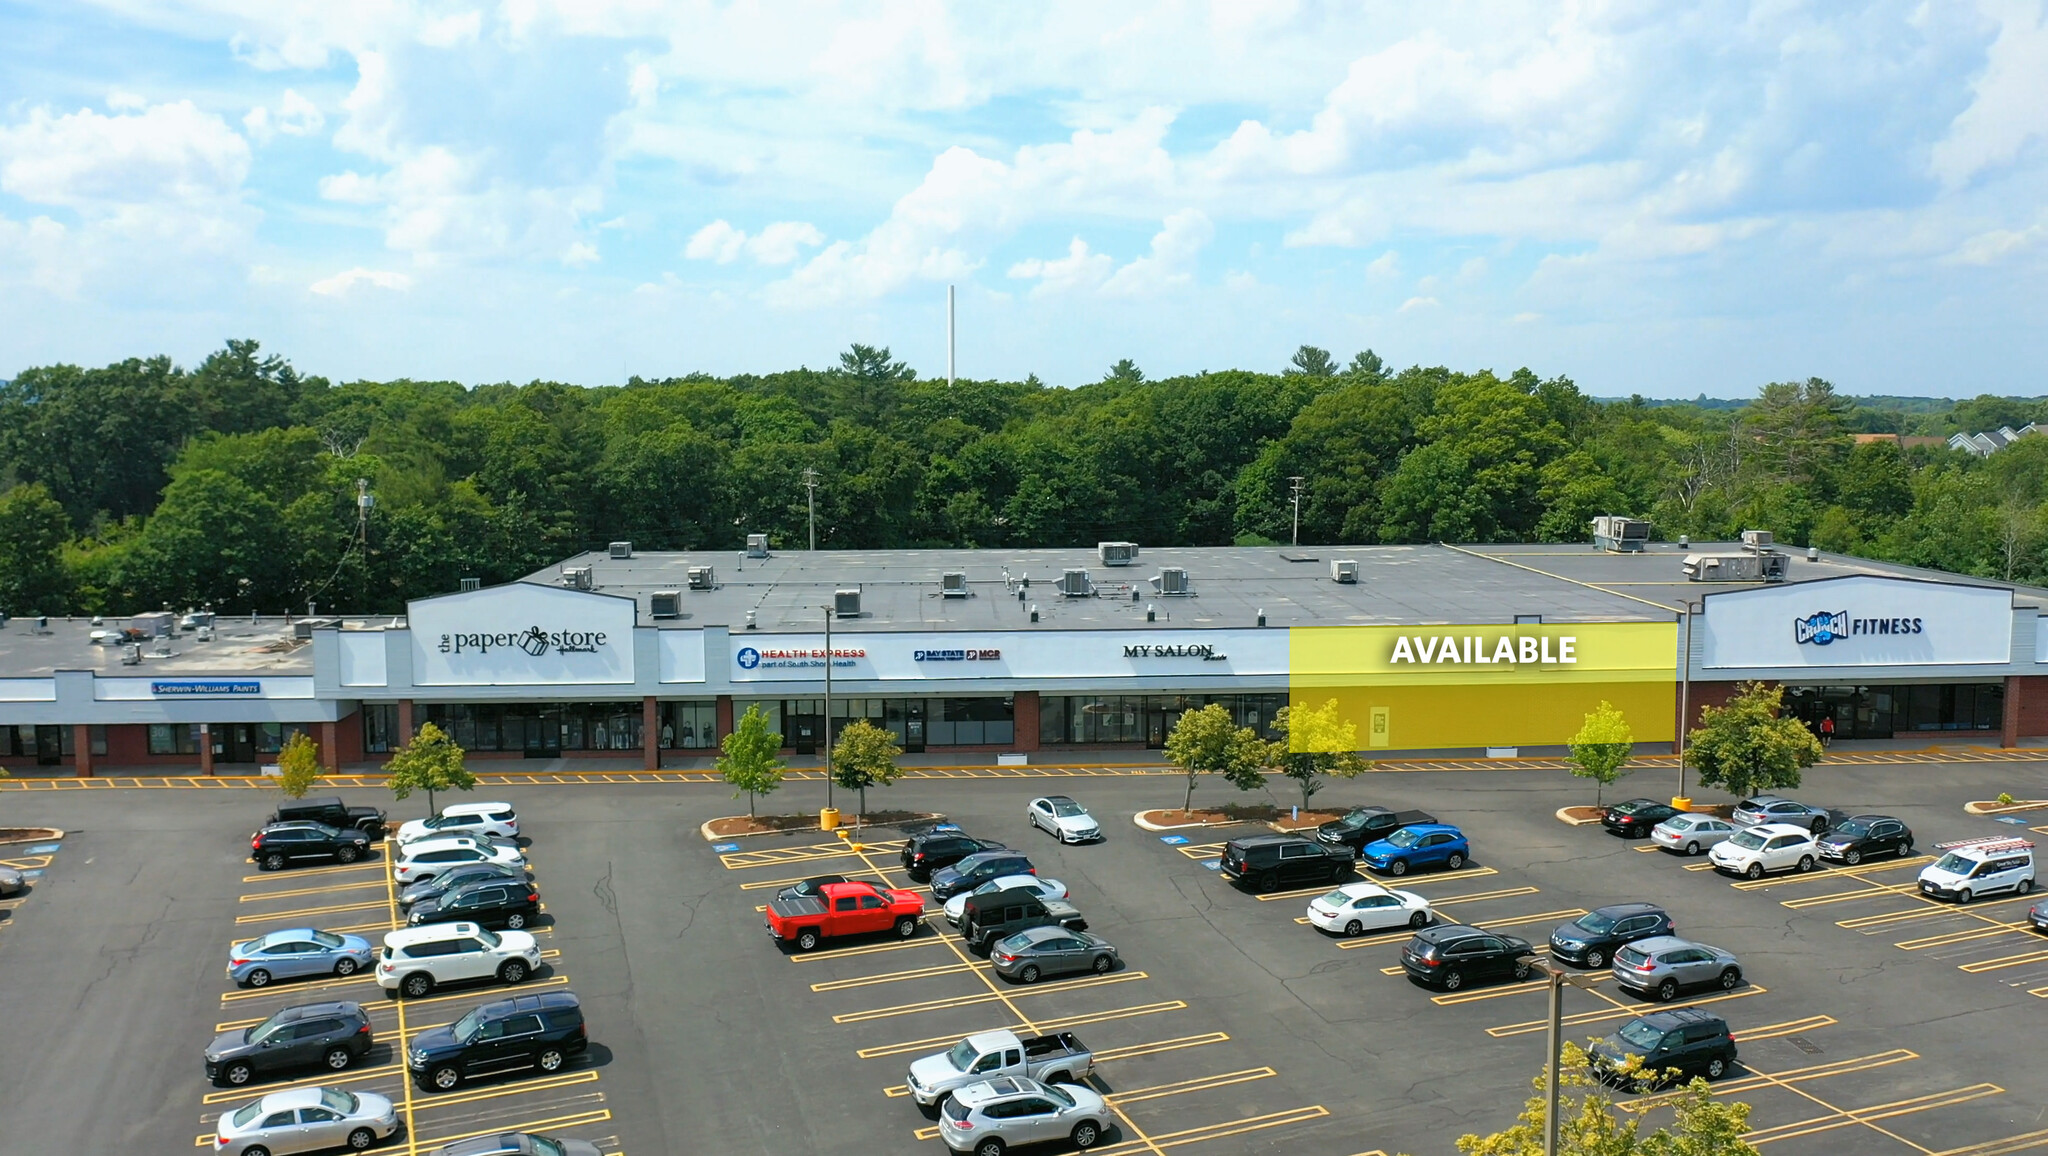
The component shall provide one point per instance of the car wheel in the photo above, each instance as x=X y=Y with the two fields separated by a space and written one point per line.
x=346 y=853
x=1805 y=864
x=1731 y=978
x=1104 y=965
x=1716 y=1068
x=549 y=1061
x=273 y=862
x=1692 y=849
x=1398 y=867
x=1820 y=826
x=235 y=1075
x=1028 y=973
x=339 y=1058
x=446 y=1077
x=516 y=920
x=1754 y=871
x=1419 y=919
x=418 y=984
x=258 y=978
x=1267 y=882
x=514 y=971
x=256 y=1150
x=1085 y=1134
x=417 y=879
x=1964 y=896
x=1668 y=990
x=2026 y=885
x=1453 y=981
x=344 y=967
x=807 y=940
x=361 y=1139
x=906 y=927
x=1454 y=862
x=1521 y=971
x=989 y=1147
x=1595 y=958
x=1353 y=927
x=1852 y=856
x=1906 y=849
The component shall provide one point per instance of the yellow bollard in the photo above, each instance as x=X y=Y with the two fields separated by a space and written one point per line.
x=1681 y=803
x=828 y=818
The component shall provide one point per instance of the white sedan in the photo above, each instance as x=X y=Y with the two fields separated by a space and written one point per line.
x=478 y=819
x=422 y=860
x=1756 y=851
x=306 y=1120
x=1356 y=908
x=1064 y=819
x=1046 y=888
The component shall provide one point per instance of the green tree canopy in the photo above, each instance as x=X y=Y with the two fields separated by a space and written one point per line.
x=865 y=756
x=1315 y=743
x=1747 y=746
x=431 y=762
x=33 y=532
x=1601 y=748
x=298 y=764
x=1207 y=739
x=750 y=759
x=1592 y=1123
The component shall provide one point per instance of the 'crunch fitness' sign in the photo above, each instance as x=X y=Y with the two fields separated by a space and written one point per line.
x=534 y=640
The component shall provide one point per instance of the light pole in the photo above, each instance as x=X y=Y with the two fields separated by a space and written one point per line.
x=1295 y=538
x=828 y=705
x=1685 y=690
x=1559 y=977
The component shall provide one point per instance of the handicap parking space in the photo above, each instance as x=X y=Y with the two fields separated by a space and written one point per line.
x=32 y=862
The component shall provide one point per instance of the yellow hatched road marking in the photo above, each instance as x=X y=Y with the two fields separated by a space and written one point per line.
x=996 y=996
x=1593 y=1017
x=1075 y=1021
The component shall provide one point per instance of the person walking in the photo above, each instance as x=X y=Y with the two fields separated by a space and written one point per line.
x=1827 y=730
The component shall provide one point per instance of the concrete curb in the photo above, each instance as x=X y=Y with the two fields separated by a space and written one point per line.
x=1140 y=820
x=40 y=835
x=1994 y=807
x=705 y=829
x=1565 y=818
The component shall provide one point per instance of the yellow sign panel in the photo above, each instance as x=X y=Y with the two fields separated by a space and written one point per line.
x=1431 y=687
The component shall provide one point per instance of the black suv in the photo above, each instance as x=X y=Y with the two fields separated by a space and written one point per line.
x=1362 y=825
x=333 y=812
x=926 y=853
x=528 y=1031
x=977 y=869
x=1269 y=861
x=327 y=1035
x=492 y=903
x=280 y=844
x=1861 y=836
x=441 y=885
x=987 y=918
x=1694 y=1042
x=1635 y=817
x=1590 y=942
x=1452 y=956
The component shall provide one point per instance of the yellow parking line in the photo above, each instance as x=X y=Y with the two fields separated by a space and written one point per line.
x=303 y=912
x=1593 y=1017
x=1799 y=1075
x=996 y=996
x=872 y=949
x=896 y=976
x=2021 y=928
x=1787 y=1028
x=227 y=1095
x=1930 y=908
x=1182 y=1087
x=2011 y=1144
x=1857 y=872
x=276 y=986
x=1838 y=897
x=576 y=1120
x=486 y=991
x=1112 y=1055
x=301 y=872
x=295 y=892
x=1844 y=1117
x=1488 y=924
x=2004 y=962
x=517 y=1087
x=1457 y=997
x=1220 y=1131
x=1059 y=1024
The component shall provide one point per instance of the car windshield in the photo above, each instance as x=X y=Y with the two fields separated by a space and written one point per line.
x=339 y=1101
x=327 y=939
x=324 y=829
x=1058 y=1096
x=1335 y=898
x=246 y=1113
x=1641 y=1035
x=1068 y=809
x=466 y=1027
x=249 y=948
x=1402 y=838
x=1017 y=942
x=1595 y=922
x=543 y=1146
x=1748 y=840
x=440 y=821
x=260 y=1032
x=1955 y=864
x=991 y=885
x=490 y=938
x=1853 y=829
x=963 y=1055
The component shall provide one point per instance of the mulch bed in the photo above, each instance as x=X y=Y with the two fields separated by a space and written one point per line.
x=1238 y=813
x=28 y=834
x=769 y=824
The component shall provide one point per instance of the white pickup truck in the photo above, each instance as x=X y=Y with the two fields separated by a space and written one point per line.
x=1057 y=1058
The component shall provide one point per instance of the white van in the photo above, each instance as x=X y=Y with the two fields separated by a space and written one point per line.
x=1973 y=867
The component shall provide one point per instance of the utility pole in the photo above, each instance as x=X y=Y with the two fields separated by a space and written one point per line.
x=364 y=500
x=949 y=335
x=1558 y=977
x=1685 y=690
x=1297 y=508
x=828 y=704
x=811 y=502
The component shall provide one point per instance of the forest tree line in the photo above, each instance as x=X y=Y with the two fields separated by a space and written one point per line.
x=234 y=483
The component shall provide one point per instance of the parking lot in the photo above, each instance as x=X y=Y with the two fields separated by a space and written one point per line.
x=1873 y=1020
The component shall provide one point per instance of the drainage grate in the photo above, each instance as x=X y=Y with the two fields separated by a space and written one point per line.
x=1804 y=1045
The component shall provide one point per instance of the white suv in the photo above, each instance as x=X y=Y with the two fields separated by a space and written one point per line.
x=1974 y=867
x=417 y=959
x=1753 y=851
x=464 y=819
x=423 y=859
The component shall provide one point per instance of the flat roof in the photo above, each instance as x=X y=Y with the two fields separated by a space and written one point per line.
x=239 y=646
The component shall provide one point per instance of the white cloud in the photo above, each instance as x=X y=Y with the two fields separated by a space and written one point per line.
x=717 y=241
x=340 y=284
x=1386 y=266
x=580 y=253
x=165 y=153
x=1079 y=269
x=784 y=241
x=1991 y=247
x=2010 y=98
x=295 y=116
x=1415 y=303
x=1171 y=261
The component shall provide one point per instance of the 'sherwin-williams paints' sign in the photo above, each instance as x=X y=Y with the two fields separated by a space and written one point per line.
x=522 y=635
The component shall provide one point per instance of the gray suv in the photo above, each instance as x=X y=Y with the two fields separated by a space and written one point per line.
x=1663 y=965
x=324 y=1035
x=1691 y=1041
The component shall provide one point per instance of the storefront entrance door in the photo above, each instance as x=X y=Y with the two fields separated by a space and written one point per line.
x=543 y=735
x=238 y=743
x=49 y=746
x=1159 y=723
x=806 y=731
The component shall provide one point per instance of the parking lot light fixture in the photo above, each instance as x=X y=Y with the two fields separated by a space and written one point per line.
x=1558 y=976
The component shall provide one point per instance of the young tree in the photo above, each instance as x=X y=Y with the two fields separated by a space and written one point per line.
x=299 y=763
x=1601 y=749
x=1590 y=1123
x=1315 y=742
x=430 y=762
x=751 y=763
x=865 y=756
x=1746 y=747
x=1208 y=739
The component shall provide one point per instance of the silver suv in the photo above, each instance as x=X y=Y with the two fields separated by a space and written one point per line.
x=994 y=1115
x=1760 y=809
x=1665 y=964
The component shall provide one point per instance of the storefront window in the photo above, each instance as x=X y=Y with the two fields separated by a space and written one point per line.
x=174 y=738
x=1143 y=718
x=689 y=726
x=1866 y=712
x=970 y=721
x=380 y=728
x=97 y=733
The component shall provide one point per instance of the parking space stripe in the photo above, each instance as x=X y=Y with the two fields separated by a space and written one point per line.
x=1844 y=1117
x=870 y=949
x=1929 y=909
x=2020 y=1143
x=1161 y=1091
x=994 y=996
x=1592 y=1017
x=2003 y=962
x=1457 y=997
x=1796 y=1075
x=303 y=912
x=515 y=1088
x=1788 y=1028
x=1060 y=1024
x=1952 y=937
x=1216 y=1131
x=302 y=872
x=1859 y=871
x=486 y=993
x=1112 y=1055
x=577 y=1120
x=260 y=896
x=1488 y=924
x=896 y=976
x=357 y=1075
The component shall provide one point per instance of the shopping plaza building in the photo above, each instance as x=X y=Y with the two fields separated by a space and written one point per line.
x=1427 y=649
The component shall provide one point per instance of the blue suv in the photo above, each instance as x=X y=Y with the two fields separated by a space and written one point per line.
x=1420 y=845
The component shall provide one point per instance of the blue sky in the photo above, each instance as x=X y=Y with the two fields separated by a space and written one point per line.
x=1645 y=197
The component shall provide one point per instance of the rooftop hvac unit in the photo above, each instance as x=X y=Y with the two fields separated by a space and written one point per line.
x=665 y=604
x=303 y=629
x=622 y=549
x=953 y=584
x=1344 y=570
x=576 y=577
x=1757 y=539
x=703 y=578
x=153 y=624
x=1617 y=534
x=1169 y=580
x=1117 y=553
x=194 y=619
x=469 y=584
x=846 y=603
x=757 y=545
x=1075 y=584
x=1757 y=566
x=131 y=655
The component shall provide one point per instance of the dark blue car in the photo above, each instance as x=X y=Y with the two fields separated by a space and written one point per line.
x=1420 y=845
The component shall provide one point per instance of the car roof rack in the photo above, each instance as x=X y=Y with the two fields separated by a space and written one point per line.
x=1990 y=845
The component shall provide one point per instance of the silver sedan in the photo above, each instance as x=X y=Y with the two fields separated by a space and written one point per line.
x=1663 y=965
x=10 y=882
x=1691 y=834
x=1040 y=951
x=306 y=1120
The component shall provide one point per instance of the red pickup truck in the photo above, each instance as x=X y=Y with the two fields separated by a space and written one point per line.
x=836 y=909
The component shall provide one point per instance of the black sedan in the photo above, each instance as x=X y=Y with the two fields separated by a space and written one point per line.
x=803 y=887
x=1451 y=956
x=1862 y=836
x=1634 y=818
x=441 y=885
x=492 y=903
x=281 y=844
x=2038 y=915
